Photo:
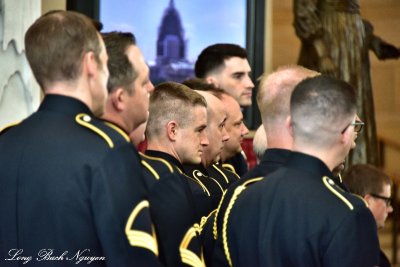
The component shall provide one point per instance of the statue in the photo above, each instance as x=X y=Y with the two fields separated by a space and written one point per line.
x=335 y=41
x=19 y=91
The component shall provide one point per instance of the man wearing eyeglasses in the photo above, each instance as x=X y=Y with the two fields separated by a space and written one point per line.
x=374 y=186
x=298 y=215
x=358 y=126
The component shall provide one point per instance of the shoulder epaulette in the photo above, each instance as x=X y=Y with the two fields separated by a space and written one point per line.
x=85 y=121
x=229 y=167
x=330 y=184
x=216 y=167
x=118 y=130
x=197 y=174
x=169 y=166
x=8 y=127
x=198 y=181
x=360 y=197
x=151 y=169
x=235 y=195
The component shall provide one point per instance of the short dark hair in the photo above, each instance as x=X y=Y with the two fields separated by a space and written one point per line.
x=213 y=57
x=122 y=72
x=319 y=106
x=363 y=179
x=55 y=44
x=201 y=85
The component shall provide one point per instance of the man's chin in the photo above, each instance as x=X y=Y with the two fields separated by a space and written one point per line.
x=245 y=100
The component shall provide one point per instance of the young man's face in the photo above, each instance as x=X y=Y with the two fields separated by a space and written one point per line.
x=378 y=206
x=192 y=139
x=235 y=79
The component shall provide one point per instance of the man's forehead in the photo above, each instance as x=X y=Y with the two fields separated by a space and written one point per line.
x=237 y=64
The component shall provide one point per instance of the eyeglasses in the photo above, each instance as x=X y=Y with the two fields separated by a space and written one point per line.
x=387 y=200
x=358 y=126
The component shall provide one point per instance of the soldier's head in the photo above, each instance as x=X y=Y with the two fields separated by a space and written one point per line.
x=227 y=67
x=273 y=99
x=129 y=85
x=374 y=186
x=259 y=143
x=216 y=132
x=65 y=47
x=234 y=125
x=323 y=118
x=177 y=122
x=216 y=118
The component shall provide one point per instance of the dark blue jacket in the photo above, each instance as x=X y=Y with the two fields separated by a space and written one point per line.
x=71 y=184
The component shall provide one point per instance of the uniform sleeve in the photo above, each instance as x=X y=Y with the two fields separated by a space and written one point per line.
x=122 y=212
x=355 y=242
x=173 y=213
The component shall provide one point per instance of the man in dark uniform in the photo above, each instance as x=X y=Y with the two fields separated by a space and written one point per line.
x=273 y=99
x=129 y=86
x=298 y=215
x=216 y=134
x=70 y=185
x=176 y=135
x=232 y=156
x=227 y=67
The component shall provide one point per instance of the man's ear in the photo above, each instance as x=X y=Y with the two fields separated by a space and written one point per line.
x=118 y=98
x=368 y=199
x=347 y=136
x=212 y=80
x=289 y=125
x=89 y=63
x=172 y=130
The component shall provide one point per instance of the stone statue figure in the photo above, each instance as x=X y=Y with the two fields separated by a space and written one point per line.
x=335 y=41
x=19 y=91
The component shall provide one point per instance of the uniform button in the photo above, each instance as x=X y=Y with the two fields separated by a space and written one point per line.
x=331 y=182
x=86 y=118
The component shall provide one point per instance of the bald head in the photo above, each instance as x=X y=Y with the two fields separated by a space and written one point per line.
x=273 y=100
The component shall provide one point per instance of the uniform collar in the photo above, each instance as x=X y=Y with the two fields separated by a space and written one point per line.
x=277 y=155
x=64 y=104
x=171 y=159
x=308 y=163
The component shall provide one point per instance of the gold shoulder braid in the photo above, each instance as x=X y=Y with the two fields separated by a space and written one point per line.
x=329 y=183
x=84 y=120
x=235 y=195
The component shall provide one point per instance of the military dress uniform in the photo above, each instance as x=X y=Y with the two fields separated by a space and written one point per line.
x=272 y=159
x=298 y=216
x=178 y=203
x=215 y=177
x=237 y=164
x=71 y=183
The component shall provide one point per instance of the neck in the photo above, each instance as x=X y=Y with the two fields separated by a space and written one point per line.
x=327 y=156
x=72 y=89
